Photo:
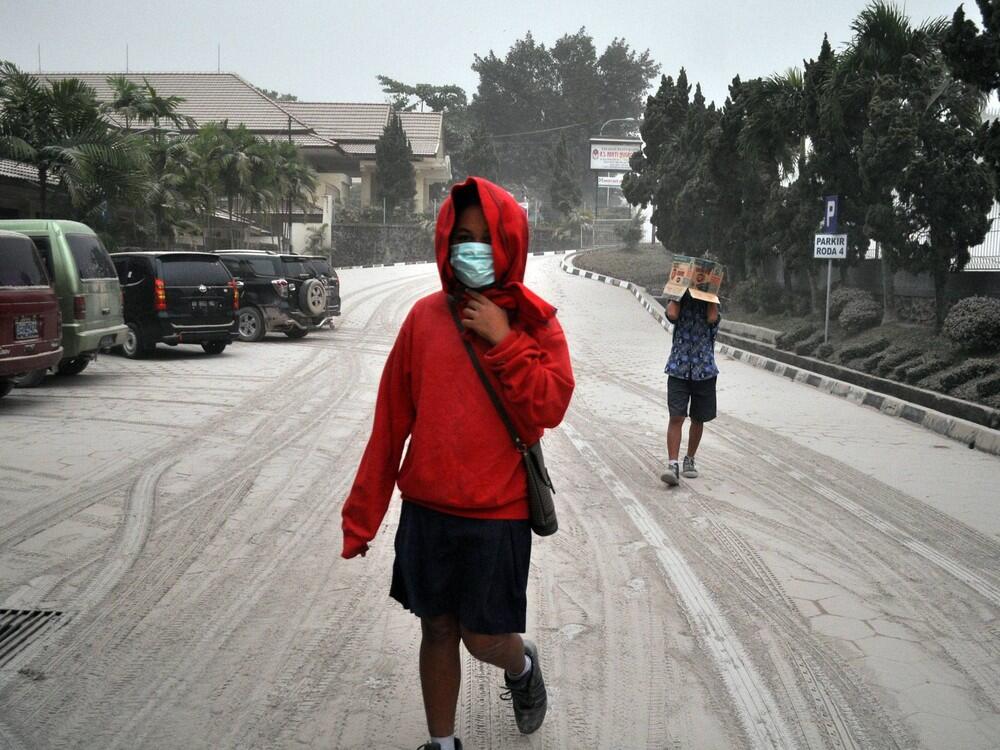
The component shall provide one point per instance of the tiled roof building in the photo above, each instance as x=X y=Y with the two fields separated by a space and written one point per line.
x=336 y=138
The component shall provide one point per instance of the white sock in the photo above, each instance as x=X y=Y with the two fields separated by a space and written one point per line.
x=446 y=743
x=527 y=668
x=673 y=462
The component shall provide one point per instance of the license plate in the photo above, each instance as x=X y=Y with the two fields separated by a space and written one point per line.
x=204 y=305
x=25 y=328
x=107 y=341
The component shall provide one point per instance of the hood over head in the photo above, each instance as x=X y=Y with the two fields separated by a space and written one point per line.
x=508 y=225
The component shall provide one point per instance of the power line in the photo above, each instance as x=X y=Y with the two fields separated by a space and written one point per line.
x=535 y=132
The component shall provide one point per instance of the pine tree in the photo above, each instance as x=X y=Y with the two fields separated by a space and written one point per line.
x=395 y=177
x=564 y=190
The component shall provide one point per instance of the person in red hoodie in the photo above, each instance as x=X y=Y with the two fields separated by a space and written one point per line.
x=463 y=544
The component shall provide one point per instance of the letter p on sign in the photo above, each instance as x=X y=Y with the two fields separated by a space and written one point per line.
x=832 y=203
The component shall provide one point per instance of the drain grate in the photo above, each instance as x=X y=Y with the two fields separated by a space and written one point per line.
x=19 y=627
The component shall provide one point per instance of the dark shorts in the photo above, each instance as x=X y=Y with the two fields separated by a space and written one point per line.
x=474 y=568
x=700 y=394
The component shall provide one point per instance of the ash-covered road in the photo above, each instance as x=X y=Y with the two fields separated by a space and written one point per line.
x=831 y=581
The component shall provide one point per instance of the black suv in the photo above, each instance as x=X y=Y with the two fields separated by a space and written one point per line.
x=176 y=298
x=280 y=293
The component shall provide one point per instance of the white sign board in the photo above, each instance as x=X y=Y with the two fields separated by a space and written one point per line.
x=612 y=156
x=610 y=181
x=830 y=246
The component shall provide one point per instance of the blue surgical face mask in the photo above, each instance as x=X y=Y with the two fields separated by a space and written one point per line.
x=473 y=264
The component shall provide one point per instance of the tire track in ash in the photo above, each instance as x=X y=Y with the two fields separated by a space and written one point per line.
x=80 y=495
x=958 y=634
x=756 y=707
x=289 y=687
x=131 y=602
x=824 y=680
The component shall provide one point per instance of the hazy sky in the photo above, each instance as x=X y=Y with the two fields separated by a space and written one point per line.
x=332 y=51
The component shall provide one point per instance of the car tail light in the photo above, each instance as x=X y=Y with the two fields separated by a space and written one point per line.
x=280 y=286
x=159 y=296
x=79 y=307
x=236 y=294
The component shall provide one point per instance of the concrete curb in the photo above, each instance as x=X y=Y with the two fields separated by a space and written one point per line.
x=971 y=434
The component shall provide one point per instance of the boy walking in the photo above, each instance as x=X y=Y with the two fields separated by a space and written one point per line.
x=691 y=383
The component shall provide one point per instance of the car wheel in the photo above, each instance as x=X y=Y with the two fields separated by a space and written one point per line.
x=6 y=386
x=296 y=333
x=134 y=347
x=30 y=379
x=251 y=324
x=214 y=347
x=312 y=297
x=73 y=366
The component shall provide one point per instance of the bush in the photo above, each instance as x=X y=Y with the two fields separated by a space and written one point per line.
x=744 y=295
x=630 y=232
x=974 y=324
x=842 y=295
x=824 y=351
x=755 y=294
x=963 y=373
x=808 y=346
x=988 y=387
x=895 y=356
x=794 y=335
x=870 y=364
x=928 y=366
x=772 y=297
x=866 y=349
x=860 y=315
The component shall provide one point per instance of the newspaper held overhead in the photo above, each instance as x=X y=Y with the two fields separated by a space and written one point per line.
x=702 y=278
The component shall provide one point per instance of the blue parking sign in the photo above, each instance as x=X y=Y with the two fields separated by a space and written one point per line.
x=831 y=208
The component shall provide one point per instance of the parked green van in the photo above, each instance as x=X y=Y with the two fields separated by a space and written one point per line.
x=86 y=284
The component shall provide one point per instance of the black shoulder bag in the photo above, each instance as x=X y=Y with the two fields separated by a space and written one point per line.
x=540 y=489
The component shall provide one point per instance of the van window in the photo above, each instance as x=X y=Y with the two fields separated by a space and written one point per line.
x=193 y=271
x=92 y=260
x=45 y=250
x=20 y=264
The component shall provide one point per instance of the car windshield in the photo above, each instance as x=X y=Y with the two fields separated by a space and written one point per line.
x=20 y=264
x=194 y=271
x=92 y=260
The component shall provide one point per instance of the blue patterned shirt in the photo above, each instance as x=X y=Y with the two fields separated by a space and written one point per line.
x=692 y=354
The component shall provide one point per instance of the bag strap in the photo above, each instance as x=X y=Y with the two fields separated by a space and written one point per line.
x=494 y=397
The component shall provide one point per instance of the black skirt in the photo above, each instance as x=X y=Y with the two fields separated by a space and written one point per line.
x=476 y=569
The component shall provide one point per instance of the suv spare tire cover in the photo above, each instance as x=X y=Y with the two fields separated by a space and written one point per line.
x=312 y=296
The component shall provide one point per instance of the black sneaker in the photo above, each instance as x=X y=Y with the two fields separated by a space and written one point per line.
x=528 y=694
x=672 y=476
x=690 y=471
x=437 y=745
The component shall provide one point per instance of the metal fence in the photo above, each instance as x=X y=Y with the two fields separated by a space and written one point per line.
x=986 y=257
x=983 y=257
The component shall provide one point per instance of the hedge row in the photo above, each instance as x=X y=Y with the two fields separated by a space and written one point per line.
x=865 y=349
x=793 y=336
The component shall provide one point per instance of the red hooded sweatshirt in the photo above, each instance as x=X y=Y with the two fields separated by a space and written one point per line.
x=461 y=459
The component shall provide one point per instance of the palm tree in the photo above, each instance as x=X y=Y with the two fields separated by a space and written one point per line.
x=157 y=108
x=127 y=100
x=57 y=128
